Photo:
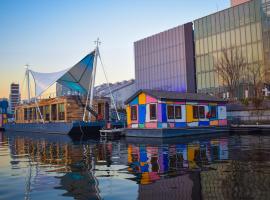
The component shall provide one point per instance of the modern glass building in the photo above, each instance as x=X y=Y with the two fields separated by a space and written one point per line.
x=245 y=27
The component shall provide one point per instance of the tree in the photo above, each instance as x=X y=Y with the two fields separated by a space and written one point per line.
x=256 y=78
x=230 y=67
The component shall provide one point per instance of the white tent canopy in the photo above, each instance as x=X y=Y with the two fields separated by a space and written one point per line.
x=76 y=78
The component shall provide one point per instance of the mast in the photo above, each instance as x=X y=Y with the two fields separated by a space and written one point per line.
x=90 y=93
x=97 y=42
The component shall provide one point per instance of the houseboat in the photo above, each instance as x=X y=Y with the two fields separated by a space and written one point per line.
x=156 y=113
x=77 y=114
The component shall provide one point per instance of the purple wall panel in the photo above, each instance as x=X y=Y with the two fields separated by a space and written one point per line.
x=161 y=61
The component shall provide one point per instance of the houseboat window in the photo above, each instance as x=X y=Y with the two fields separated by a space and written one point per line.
x=178 y=112
x=47 y=113
x=61 y=112
x=54 y=112
x=133 y=112
x=25 y=114
x=34 y=114
x=195 y=112
x=99 y=108
x=202 y=112
x=213 y=111
x=30 y=113
x=153 y=111
x=170 y=111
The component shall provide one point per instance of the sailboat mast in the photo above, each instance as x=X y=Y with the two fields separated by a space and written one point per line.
x=93 y=77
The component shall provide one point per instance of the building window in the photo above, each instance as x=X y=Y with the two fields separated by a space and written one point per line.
x=178 y=112
x=213 y=111
x=153 y=111
x=201 y=112
x=61 y=111
x=133 y=112
x=170 y=112
x=195 y=112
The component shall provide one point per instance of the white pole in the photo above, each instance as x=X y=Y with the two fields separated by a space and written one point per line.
x=93 y=78
x=28 y=82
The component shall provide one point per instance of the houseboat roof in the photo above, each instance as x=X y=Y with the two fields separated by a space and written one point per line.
x=170 y=95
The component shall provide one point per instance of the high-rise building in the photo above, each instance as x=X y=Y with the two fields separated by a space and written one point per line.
x=245 y=27
x=237 y=2
x=165 y=61
x=14 y=96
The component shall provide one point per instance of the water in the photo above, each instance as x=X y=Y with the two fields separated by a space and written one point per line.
x=55 y=167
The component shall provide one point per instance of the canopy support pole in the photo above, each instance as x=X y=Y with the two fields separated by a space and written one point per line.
x=90 y=92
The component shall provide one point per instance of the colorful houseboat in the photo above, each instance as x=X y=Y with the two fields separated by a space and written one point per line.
x=156 y=113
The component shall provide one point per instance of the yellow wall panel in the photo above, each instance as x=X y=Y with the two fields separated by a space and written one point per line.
x=142 y=98
x=214 y=123
x=189 y=113
x=128 y=115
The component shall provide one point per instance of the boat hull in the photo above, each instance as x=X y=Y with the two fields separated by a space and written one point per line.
x=172 y=132
x=74 y=129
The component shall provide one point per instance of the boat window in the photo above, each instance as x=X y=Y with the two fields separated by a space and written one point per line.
x=213 y=111
x=178 y=112
x=47 y=113
x=153 y=111
x=53 y=112
x=61 y=111
x=195 y=112
x=133 y=112
x=170 y=111
x=25 y=114
x=202 y=112
x=34 y=114
x=99 y=108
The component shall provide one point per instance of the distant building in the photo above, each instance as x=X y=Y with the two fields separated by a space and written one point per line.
x=4 y=106
x=237 y=2
x=121 y=91
x=165 y=61
x=62 y=90
x=14 y=96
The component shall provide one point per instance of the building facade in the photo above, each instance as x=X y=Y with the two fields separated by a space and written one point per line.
x=244 y=27
x=165 y=61
x=121 y=91
x=15 y=96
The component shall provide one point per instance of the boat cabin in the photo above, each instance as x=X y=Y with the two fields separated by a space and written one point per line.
x=62 y=109
x=153 y=109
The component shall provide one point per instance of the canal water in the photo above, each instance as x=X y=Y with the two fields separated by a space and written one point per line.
x=34 y=166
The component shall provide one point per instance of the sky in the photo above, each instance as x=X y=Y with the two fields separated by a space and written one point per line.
x=52 y=35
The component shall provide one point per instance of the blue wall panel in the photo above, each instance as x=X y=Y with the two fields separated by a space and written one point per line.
x=164 y=112
x=204 y=123
x=142 y=114
x=180 y=124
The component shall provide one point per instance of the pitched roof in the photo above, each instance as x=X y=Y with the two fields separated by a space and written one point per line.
x=169 y=95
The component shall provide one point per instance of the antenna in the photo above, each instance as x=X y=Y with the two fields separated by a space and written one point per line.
x=97 y=42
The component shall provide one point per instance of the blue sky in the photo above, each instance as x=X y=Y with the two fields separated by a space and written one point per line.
x=52 y=35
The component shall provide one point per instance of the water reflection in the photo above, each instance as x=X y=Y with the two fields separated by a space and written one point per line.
x=218 y=167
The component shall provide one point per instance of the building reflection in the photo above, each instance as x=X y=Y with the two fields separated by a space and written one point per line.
x=201 y=169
